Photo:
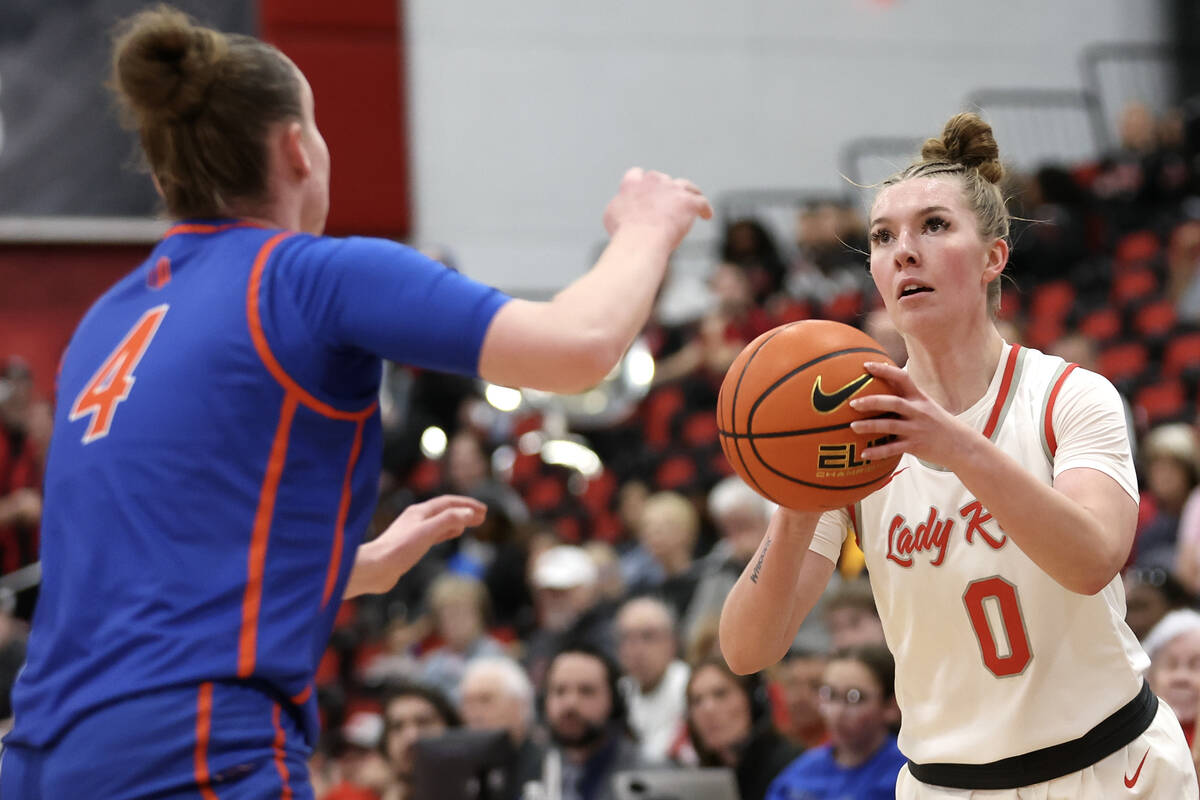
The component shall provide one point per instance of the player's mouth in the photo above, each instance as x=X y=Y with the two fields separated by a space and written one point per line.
x=911 y=288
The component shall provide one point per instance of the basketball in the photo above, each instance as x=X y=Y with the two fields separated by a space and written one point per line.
x=784 y=415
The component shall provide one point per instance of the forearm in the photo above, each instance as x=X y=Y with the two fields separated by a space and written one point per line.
x=608 y=306
x=377 y=567
x=1073 y=544
x=767 y=604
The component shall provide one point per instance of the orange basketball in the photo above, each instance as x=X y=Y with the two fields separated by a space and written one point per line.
x=784 y=415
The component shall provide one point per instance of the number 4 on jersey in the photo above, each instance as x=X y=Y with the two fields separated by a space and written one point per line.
x=113 y=381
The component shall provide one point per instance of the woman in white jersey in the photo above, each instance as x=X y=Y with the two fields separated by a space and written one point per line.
x=995 y=548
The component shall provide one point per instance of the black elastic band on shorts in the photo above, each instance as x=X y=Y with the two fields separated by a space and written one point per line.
x=1125 y=725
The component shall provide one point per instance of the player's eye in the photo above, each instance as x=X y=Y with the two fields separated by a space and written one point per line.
x=880 y=236
x=936 y=224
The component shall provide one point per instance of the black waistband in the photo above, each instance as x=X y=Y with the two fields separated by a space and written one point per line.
x=1125 y=725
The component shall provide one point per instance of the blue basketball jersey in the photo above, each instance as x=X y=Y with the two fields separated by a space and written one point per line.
x=215 y=459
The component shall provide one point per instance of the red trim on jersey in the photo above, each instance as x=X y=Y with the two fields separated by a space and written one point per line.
x=203 y=727
x=256 y=561
x=335 y=559
x=280 y=764
x=264 y=349
x=302 y=698
x=854 y=524
x=1005 y=387
x=1051 y=442
x=176 y=230
x=160 y=274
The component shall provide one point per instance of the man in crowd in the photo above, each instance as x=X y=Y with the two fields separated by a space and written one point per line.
x=496 y=695
x=654 y=681
x=586 y=716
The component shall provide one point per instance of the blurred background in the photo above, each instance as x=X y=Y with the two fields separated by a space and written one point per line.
x=492 y=136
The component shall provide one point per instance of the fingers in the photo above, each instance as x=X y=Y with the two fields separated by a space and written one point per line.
x=451 y=522
x=895 y=377
x=883 y=451
x=880 y=404
x=448 y=501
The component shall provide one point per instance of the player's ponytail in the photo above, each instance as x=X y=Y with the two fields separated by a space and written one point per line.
x=201 y=101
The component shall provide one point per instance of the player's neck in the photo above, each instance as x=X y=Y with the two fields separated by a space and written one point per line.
x=956 y=370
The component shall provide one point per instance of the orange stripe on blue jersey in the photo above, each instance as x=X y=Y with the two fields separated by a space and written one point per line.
x=204 y=699
x=335 y=559
x=264 y=349
x=280 y=754
x=256 y=564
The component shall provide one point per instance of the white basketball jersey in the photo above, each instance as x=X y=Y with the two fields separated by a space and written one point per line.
x=994 y=658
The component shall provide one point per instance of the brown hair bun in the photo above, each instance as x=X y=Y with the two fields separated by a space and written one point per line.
x=967 y=140
x=164 y=64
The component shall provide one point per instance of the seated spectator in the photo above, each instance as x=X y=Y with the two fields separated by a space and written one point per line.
x=799 y=675
x=1171 y=456
x=667 y=531
x=460 y=608
x=654 y=679
x=411 y=711
x=741 y=516
x=469 y=472
x=1150 y=594
x=851 y=615
x=567 y=598
x=729 y=721
x=1174 y=649
x=1183 y=270
x=748 y=244
x=586 y=716
x=858 y=702
x=24 y=434
x=497 y=695
x=720 y=335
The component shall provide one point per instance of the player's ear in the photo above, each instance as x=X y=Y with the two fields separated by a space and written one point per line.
x=290 y=142
x=997 y=258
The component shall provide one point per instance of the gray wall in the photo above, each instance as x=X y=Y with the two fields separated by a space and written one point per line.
x=525 y=114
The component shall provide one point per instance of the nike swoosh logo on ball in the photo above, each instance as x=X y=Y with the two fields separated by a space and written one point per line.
x=825 y=403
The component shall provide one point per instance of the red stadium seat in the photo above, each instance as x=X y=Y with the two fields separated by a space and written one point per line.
x=1041 y=332
x=1102 y=325
x=1123 y=362
x=544 y=493
x=1182 y=354
x=675 y=473
x=598 y=494
x=1052 y=301
x=1162 y=401
x=846 y=307
x=700 y=428
x=1132 y=286
x=658 y=410
x=1156 y=319
x=1137 y=248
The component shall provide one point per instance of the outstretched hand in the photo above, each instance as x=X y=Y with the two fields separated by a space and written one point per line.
x=658 y=200
x=383 y=560
x=920 y=426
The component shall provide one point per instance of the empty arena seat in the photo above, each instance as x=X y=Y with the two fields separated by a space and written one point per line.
x=1123 y=362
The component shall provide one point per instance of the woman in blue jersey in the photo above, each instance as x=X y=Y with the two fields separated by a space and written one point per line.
x=217 y=445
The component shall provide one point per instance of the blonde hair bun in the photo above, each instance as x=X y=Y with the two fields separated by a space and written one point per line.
x=967 y=140
x=164 y=63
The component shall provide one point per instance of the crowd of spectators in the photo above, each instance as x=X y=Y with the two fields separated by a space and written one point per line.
x=580 y=619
